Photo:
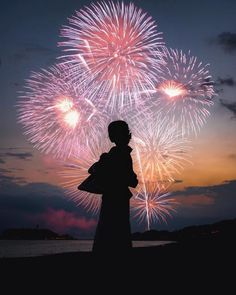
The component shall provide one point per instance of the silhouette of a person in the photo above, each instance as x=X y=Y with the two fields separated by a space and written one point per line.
x=115 y=171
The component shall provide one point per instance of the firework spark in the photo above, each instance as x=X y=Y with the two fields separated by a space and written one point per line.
x=184 y=91
x=55 y=115
x=172 y=89
x=155 y=172
x=118 y=46
x=160 y=150
x=77 y=170
x=73 y=174
x=148 y=205
x=115 y=66
x=160 y=153
x=151 y=205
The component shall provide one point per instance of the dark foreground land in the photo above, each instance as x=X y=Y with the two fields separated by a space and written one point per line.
x=201 y=257
x=200 y=263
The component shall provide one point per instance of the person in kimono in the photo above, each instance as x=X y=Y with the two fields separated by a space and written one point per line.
x=114 y=172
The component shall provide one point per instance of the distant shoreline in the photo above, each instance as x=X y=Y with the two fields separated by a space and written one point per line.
x=221 y=229
x=39 y=248
x=175 y=252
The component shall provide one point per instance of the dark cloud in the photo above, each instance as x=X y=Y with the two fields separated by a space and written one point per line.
x=3 y=171
x=223 y=187
x=16 y=84
x=231 y=106
x=17 y=152
x=218 y=90
x=226 y=82
x=232 y=156
x=31 y=50
x=227 y=41
x=13 y=148
x=28 y=204
x=16 y=169
x=207 y=82
x=212 y=201
x=6 y=179
x=43 y=171
x=45 y=204
x=19 y=57
x=2 y=161
x=35 y=196
x=37 y=48
x=21 y=156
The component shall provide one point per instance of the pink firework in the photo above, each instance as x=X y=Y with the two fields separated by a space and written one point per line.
x=160 y=150
x=183 y=91
x=55 y=114
x=76 y=170
x=158 y=155
x=151 y=205
x=118 y=46
x=73 y=174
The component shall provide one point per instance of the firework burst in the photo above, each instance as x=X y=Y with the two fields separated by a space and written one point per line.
x=114 y=67
x=160 y=150
x=55 y=115
x=118 y=46
x=151 y=204
x=76 y=171
x=184 y=91
x=73 y=174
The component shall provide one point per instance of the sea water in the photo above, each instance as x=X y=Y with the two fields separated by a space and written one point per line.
x=29 y=248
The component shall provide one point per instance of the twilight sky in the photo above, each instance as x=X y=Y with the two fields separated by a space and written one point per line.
x=30 y=191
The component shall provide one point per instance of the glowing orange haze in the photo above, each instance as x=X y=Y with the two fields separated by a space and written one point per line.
x=213 y=161
x=209 y=167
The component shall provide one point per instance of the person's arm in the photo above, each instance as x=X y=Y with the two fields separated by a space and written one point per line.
x=132 y=179
x=97 y=167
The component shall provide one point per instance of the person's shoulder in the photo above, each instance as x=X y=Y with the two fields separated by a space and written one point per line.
x=129 y=149
x=113 y=150
x=104 y=156
x=125 y=149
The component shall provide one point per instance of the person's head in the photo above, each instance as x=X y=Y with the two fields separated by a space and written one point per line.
x=119 y=132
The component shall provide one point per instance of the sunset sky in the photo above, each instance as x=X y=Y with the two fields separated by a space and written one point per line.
x=30 y=191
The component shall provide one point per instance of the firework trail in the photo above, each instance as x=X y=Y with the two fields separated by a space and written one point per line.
x=155 y=172
x=148 y=204
x=115 y=67
x=160 y=153
x=73 y=175
x=184 y=91
x=118 y=46
x=160 y=150
x=76 y=170
x=55 y=115
x=151 y=204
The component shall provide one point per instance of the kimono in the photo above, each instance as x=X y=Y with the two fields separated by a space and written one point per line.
x=114 y=172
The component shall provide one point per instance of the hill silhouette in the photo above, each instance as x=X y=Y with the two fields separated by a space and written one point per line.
x=33 y=234
x=223 y=230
